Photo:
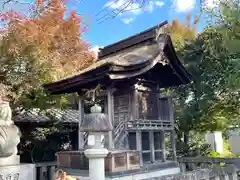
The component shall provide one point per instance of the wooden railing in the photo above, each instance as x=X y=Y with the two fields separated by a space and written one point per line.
x=45 y=170
x=120 y=134
x=149 y=124
x=118 y=130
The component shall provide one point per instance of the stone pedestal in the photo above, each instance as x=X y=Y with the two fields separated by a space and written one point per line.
x=11 y=160
x=96 y=163
x=215 y=140
x=234 y=140
x=18 y=172
x=10 y=167
x=234 y=144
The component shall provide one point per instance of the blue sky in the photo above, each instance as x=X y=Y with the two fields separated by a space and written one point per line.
x=136 y=18
x=104 y=31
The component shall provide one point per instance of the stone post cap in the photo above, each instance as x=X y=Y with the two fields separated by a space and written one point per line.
x=96 y=153
x=96 y=109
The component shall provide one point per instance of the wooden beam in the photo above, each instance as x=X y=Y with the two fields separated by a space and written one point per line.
x=110 y=117
x=158 y=95
x=173 y=140
x=81 y=142
x=129 y=118
x=127 y=142
x=163 y=146
x=135 y=106
x=152 y=148
x=173 y=145
x=106 y=112
x=170 y=107
x=139 y=145
x=112 y=114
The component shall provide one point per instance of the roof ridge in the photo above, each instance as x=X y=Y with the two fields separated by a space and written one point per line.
x=106 y=50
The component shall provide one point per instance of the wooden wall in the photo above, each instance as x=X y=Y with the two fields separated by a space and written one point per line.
x=122 y=107
x=148 y=103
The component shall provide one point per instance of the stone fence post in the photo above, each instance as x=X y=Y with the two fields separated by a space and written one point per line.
x=228 y=172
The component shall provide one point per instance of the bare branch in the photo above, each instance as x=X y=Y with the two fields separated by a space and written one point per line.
x=114 y=13
x=6 y=2
x=106 y=7
x=120 y=10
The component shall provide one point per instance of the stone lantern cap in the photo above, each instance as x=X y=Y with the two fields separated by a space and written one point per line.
x=95 y=121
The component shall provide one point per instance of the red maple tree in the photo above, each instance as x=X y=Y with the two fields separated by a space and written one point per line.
x=43 y=47
x=54 y=36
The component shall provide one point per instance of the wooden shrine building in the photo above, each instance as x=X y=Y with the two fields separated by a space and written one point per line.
x=131 y=73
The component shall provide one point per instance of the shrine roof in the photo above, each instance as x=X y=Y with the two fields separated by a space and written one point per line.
x=35 y=116
x=148 y=55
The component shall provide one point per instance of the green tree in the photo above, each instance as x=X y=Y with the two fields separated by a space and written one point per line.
x=211 y=101
x=182 y=34
x=214 y=103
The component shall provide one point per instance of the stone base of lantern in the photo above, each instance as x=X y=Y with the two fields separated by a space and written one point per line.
x=11 y=160
x=18 y=172
x=96 y=163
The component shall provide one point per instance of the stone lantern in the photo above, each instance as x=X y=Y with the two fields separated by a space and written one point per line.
x=96 y=124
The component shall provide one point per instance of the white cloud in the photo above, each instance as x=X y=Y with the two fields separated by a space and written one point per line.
x=210 y=4
x=184 y=5
x=127 y=20
x=159 y=3
x=132 y=8
x=152 y=4
x=187 y=5
x=96 y=50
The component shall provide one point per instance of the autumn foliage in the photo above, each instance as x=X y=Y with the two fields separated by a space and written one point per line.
x=42 y=47
x=182 y=32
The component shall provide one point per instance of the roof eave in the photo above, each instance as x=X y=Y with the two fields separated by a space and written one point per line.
x=176 y=64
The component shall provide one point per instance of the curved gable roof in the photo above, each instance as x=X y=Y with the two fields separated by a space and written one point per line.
x=130 y=58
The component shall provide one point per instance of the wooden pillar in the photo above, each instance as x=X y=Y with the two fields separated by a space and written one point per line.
x=81 y=141
x=110 y=117
x=127 y=142
x=135 y=106
x=173 y=145
x=135 y=113
x=171 y=118
x=105 y=112
x=152 y=148
x=139 y=145
x=163 y=145
x=171 y=114
x=158 y=95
